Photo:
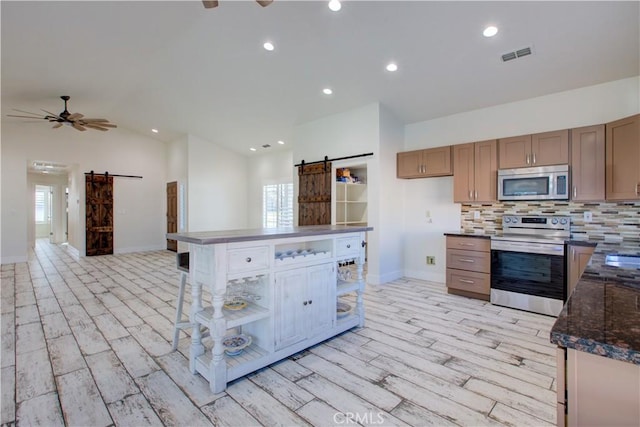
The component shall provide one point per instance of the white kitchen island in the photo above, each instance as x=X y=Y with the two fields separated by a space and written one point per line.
x=278 y=286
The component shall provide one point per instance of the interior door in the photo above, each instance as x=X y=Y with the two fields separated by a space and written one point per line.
x=172 y=214
x=314 y=194
x=99 y=214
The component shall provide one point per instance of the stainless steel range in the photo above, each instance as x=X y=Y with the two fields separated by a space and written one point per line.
x=528 y=263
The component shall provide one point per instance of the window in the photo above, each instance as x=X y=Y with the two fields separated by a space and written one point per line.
x=41 y=205
x=277 y=205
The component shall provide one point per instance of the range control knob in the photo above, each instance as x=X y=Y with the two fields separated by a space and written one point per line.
x=563 y=221
x=507 y=219
x=554 y=221
x=514 y=219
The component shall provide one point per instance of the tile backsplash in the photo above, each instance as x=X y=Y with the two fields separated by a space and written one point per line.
x=611 y=222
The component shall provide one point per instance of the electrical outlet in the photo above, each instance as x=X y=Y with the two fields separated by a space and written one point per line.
x=476 y=214
x=588 y=216
x=431 y=260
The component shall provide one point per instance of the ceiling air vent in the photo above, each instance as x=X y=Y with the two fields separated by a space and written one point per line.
x=516 y=54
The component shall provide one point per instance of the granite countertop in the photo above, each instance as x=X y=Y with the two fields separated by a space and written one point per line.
x=462 y=234
x=602 y=315
x=247 y=235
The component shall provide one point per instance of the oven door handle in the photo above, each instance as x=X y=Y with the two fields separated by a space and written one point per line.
x=528 y=247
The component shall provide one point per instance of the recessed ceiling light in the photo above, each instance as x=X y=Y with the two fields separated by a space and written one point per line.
x=281 y=142
x=268 y=46
x=392 y=66
x=154 y=130
x=327 y=91
x=335 y=5
x=252 y=149
x=490 y=31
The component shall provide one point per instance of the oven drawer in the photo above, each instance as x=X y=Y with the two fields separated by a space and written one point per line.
x=469 y=243
x=469 y=260
x=479 y=283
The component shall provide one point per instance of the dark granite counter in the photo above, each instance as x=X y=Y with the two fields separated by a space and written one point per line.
x=602 y=315
x=228 y=236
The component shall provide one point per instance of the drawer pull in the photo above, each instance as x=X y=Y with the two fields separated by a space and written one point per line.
x=471 y=282
x=466 y=260
x=248 y=259
x=466 y=244
x=304 y=303
x=348 y=246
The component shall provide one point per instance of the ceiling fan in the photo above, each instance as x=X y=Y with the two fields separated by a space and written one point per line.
x=214 y=3
x=75 y=120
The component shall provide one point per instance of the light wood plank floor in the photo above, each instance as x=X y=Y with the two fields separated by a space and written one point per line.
x=87 y=342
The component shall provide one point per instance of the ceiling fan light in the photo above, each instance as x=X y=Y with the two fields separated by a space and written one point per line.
x=268 y=46
x=335 y=5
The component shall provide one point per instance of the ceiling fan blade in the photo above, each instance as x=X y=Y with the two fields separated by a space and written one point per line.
x=26 y=117
x=210 y=4
x=56 y=126
x=27 y=112
x=264 y=3
x=94 y=120
x=78 y=127
x=53 y=114
x=74 y=116
x=96 y=127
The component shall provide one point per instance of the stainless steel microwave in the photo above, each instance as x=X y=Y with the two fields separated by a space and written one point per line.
x=538 y=183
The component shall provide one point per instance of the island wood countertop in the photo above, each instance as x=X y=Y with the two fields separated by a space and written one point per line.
x=247 y=235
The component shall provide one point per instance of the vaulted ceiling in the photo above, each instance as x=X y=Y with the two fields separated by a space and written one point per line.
x=181 y=68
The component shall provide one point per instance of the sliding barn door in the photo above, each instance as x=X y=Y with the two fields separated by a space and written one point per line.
x=99 y=209
x=314 y=194
x=172 y=214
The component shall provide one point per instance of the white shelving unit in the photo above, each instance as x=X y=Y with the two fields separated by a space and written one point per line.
x=351 y=199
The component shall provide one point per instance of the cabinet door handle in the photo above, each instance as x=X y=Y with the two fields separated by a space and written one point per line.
x=348 y=246
x=528 y=160
x=310 y=301
x=534 y=158
x=573 y=254
x=248 y=259
x=475 y=195
x=637 y=189
x=470 y=195
x=575 y=192
x=471 y=282
x=466 y=260
x=304 y=303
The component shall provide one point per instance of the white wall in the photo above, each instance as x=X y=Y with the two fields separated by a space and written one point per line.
x=217 y=187
x=274 y=168
x=139 y=205
x=386 y=203
x=363 y=130
x=581 y=107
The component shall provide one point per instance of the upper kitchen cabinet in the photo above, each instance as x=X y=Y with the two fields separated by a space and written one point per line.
x=425 y=163
x=587 y=163
x=623 y=159
x=540 y=149
x=475 y=168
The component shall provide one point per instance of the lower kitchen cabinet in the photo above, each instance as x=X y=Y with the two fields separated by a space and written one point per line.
x=305 y=303
x=577 y=260
x=469 y=266
x=594 y=390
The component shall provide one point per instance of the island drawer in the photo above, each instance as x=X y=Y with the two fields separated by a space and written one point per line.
x=348 y=246
x=248 y=259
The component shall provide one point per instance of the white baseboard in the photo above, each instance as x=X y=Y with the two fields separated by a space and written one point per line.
x=379 y=279
x=422 y=275
x=139 y=249
x=14 y=259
